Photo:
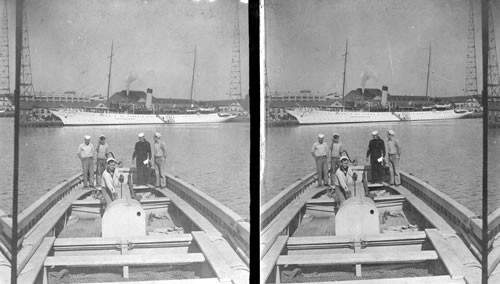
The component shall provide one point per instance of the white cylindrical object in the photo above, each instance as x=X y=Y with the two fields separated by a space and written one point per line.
x=124 y=218
x=357 y=216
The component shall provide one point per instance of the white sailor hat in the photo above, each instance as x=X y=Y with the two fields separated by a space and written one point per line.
x=102 y=137
x=321 y=135
x=87 y=137
x=110 y=160
x=375 y=132
x=336 y=134
x=157 y=134
x=343 y=158
x=140 y=135
x=391 y=132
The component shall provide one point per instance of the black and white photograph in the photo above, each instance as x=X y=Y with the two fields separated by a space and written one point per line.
x=242 y=141
x=374 y=124
x=133 y=152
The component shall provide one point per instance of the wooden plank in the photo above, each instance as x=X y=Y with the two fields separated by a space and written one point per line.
x=174 y=238
x=268 y=262
x=174 y=281
x=321 y=201
x=240 y=272
x=429 y=214
x=494 y=219
x=465 y=216
x=358 y=258
x=5 y=231
x=378 y=238
x=472 y=269
x=44 y=226
x=445 y=279
x=121 y=260
x=214 y=257
x=446 y=253
x=5 y=269
x=493 y=259
x=225 y=216
x=30 y=272
x=273 y=230
x=197 y=218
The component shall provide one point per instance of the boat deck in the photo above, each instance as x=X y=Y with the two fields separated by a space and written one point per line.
x=167 y=233
x=402 y=249
x=319 y=216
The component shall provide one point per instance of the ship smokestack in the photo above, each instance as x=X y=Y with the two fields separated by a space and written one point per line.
x=149 y=97
x=384 y=96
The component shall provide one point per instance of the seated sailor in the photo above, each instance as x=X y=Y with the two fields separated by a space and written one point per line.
x=344 y=182
x=112 y=179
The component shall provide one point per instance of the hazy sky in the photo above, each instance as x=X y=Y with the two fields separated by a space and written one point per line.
x=154 y=42
x=388 y=40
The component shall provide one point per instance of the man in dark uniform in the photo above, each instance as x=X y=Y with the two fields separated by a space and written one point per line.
x=376 y=152
x=142 y=152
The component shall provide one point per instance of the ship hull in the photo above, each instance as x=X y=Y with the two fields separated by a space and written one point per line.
x=432 y=115
x=74 y=118
x=331 y=117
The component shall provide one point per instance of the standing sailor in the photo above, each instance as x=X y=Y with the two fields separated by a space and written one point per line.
x=376 y=152
x=160 y=158
x=320 y=153
x=102 y=155
x=335 y=151
x=394 y=152
x=86 y=155
x=344 y=181
x=142 y=151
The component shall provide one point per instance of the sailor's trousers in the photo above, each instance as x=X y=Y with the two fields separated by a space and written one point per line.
x=322 y=169
x=394 y=169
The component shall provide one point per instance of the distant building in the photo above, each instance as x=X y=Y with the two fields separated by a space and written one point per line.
x=493 y=112
x=463 y=102
x=137 y=100
x=301 y=96
x=5 y=104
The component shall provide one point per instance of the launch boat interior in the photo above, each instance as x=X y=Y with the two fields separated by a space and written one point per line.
x=172 y=235
x=412 y=233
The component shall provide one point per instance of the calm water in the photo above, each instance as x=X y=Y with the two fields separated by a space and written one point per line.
x=215 y=158
x=447 y=154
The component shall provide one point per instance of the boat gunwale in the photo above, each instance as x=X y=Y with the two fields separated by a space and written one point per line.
x=273 y=207
x=226 y=220
x=441 y=203
x=455 y=213
x=30 y=216
x=462 y=219
x=36 y=211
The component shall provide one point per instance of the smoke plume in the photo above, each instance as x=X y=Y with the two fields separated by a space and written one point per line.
x=129 y=80
x=365 y=76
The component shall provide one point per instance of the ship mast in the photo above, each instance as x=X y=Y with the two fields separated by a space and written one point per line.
x=192 y=78
x=343 y=83
x=428 y=73
x=109 y=73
